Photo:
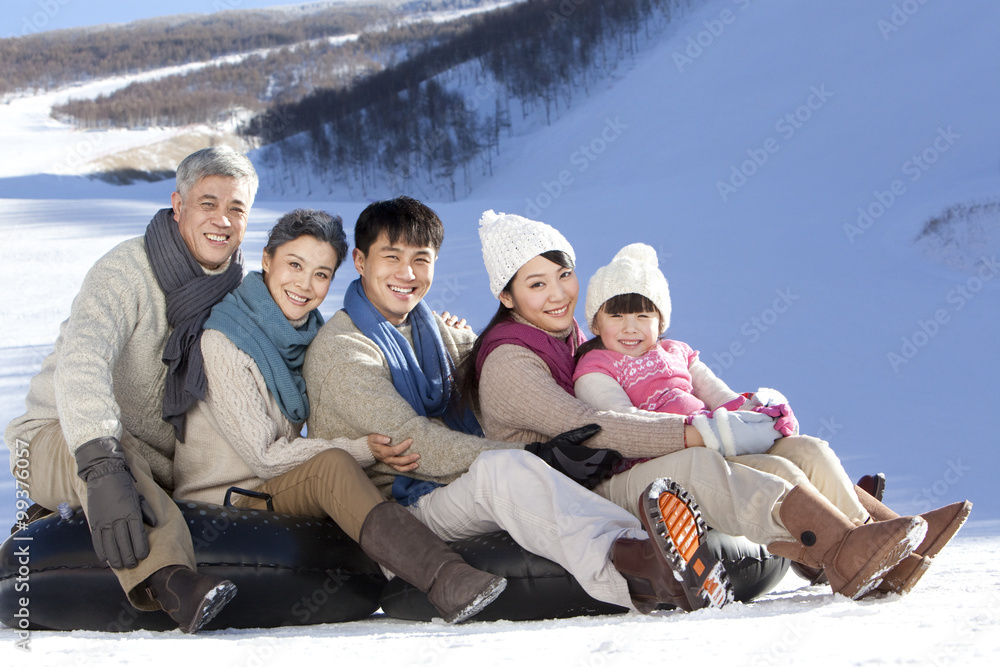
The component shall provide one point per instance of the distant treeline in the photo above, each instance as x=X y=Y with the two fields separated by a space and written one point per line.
x=401 y=125
x=254 y=83
x=51 y=59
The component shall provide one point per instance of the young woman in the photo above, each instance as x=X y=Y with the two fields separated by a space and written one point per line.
x=246 y=430
x=521 y=370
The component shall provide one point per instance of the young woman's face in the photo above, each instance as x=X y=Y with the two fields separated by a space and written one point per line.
x=632 y=334
x=544 y=294
x=298 y=275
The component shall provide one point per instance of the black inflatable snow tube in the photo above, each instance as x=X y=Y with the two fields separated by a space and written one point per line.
x=289 y=570
x=297 y=571
x=538 y=589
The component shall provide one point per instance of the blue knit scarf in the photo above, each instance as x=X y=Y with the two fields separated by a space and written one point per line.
x=251 y=319
x=421 y=373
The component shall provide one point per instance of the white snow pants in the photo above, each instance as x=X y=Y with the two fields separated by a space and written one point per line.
x=543 y=511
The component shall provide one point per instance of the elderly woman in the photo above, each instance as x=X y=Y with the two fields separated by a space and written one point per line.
x=246 y=430
x=521 y=371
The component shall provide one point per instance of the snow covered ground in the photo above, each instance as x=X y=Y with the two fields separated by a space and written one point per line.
x=783 y=158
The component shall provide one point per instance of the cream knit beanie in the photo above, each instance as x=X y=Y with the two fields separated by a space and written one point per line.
x=632 y=271
x=510 y=242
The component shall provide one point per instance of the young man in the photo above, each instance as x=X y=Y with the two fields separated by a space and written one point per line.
x=102 y=415
x=384 y=365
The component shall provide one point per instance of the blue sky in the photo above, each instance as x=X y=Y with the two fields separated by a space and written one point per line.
x=23 y=17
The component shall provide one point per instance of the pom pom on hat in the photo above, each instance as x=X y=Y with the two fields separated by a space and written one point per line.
x=510 y=241
x=634 y=270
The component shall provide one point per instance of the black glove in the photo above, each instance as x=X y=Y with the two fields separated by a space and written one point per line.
x=115 y=510
x=584 y=465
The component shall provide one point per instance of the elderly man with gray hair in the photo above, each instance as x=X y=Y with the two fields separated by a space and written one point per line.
x=103 y=413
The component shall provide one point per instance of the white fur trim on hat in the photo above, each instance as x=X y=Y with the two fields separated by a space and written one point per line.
x=634 y=270
x=510 y=241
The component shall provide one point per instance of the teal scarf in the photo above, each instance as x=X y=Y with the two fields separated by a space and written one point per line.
x=251 y=319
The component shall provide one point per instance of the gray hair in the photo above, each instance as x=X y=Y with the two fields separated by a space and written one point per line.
x=216 y=161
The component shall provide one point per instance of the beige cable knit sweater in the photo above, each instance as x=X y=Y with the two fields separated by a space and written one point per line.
x=351 y=395
x=521 y=402
x=105 y=374
x=238 y=435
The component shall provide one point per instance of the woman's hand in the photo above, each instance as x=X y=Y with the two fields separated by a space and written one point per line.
x=394 y=456
x=453 y=321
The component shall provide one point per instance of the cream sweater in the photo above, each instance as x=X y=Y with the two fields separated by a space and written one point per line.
x=520 y=401
x=238 y=436
x=351 y=395
x=105 y=374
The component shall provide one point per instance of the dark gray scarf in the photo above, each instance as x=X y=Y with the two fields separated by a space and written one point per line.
x=190 y=295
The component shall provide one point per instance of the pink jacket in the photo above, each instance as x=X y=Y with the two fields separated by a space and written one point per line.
x=658 y=381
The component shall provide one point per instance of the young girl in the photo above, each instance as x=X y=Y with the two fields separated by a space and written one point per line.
x=246 y=430
x=522 y=369
x=629 y=368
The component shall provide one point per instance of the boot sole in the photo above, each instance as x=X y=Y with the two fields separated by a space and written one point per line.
x=885 y=559
x=213 y=602
x=480 y=602
x=673 y=520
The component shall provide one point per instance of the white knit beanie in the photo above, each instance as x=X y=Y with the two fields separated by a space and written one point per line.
x=510 y=242
x=632 y=271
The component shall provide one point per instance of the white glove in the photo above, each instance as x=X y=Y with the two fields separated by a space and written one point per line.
x=736 y=433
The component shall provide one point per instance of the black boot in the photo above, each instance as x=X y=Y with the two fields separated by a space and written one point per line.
x=189 y=598
x=397 y=540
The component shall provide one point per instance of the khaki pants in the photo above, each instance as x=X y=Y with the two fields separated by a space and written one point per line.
x=53 y=480
x=742 y=495
x=330 y=484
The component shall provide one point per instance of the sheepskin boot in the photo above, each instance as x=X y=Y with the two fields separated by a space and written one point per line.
x=190 y=598
x=397 y=540
x=674 y=566
x=854 y=557
x=942 y=524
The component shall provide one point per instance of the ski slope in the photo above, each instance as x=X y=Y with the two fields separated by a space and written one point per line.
x=783 y=158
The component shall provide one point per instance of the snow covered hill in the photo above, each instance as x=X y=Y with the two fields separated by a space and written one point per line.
x=783 y=158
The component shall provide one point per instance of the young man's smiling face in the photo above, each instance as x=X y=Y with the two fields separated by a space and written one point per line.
x=395 y=276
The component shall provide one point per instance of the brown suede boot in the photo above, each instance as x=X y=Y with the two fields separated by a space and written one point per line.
x=854 y=557
x=397 y=540
x=651 y=581
x=942 y=524
x=675 y=565
x=189 y=598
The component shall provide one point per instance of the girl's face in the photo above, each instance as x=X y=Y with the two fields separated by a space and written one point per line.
x=298 y=275
x=544 y=294
x=632 y=334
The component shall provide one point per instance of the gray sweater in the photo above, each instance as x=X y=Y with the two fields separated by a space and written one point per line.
x=351 y=395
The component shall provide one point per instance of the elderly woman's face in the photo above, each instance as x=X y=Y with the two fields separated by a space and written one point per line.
x=544 y=294
x=298 y=275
